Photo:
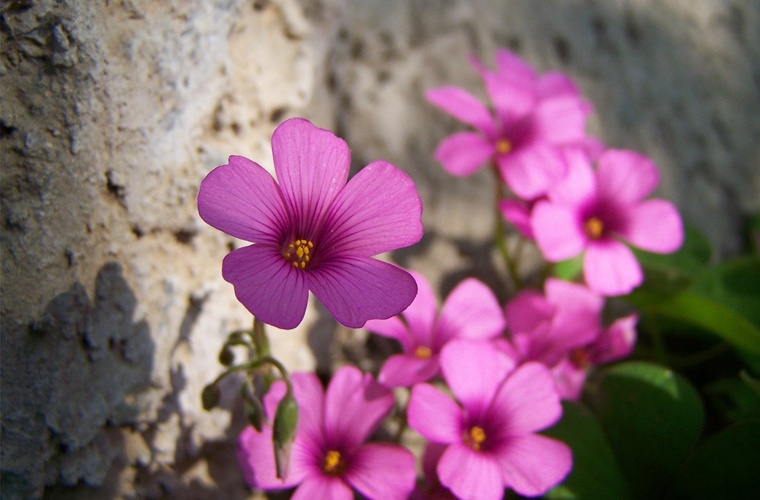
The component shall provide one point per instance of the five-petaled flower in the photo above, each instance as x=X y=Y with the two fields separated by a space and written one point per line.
x=534 y=118
x=490 y=434
x=329 y=457
x=471 y=311
x=593 y=210
x=313 y=231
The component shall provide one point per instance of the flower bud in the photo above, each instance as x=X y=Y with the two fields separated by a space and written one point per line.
x=254 y=410
x=284 y=432
x=226 y=356
x=210 y=396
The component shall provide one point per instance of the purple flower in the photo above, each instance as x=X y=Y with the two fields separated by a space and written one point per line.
x=611 y=344
x=534 y=116
x=593 y=211
x=471 y=311
x=545 y=328
x=490 y=433
x=312 y=231
x=329 y=457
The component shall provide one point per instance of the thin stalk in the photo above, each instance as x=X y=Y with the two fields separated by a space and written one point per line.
x=499 y=234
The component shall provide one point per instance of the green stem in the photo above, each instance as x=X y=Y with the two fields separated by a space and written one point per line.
x=500 y=236
x=260 y=340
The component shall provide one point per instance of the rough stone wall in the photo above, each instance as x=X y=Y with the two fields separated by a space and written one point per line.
x=111 y=112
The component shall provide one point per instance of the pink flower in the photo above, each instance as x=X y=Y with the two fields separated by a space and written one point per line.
x=471 y=311
x=594 y=211
x=329 y=457
x=490 y=434
x=534 y=117
x=611 y=344
x=312 y=231
x=545 y=328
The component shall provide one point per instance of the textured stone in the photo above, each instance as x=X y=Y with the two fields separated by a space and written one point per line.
x=113 y=307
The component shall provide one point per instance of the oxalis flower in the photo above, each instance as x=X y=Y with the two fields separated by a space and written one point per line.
x=533 y=118
x=329 y=458
x=595 y=211
x=471 y=311
x=489 y=432
x=312 y=231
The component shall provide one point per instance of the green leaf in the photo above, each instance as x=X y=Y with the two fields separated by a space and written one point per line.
x=688 y=307
x=690 y=259
x=727 y=465
x=653 y=419
x=595 y=472
x=569 y=269
x=733 y=398
x=734 y=284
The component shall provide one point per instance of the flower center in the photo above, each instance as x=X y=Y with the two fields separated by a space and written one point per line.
x=333 y=463
x=580 y=358
x=423 y=352
x=476 y=437
x=299 y=253
x=594 y=228
x=503 y=146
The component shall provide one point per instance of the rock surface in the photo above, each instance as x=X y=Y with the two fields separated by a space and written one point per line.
x=111 y=113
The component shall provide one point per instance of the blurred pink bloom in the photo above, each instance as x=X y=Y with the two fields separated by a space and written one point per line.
x=490 y=433
x=517 y=213
x=312 y=231
x=546 y=327
x=611 y=344
x=471 y=311
x=534 y=117
x=329 y=457
x=594 y=211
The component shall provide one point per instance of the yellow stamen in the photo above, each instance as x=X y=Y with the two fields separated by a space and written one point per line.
x=423 y=352
x=503 y=146
x=299 y=253
x=477 y=437
x=594 y=228
x=333 y=463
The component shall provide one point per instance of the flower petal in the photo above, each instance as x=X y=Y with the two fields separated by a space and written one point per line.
x=421 y=313
x=356 y=289
x=578 y=187
x=392 y=328
x=626 y=176
x=310 y=396
x=470 y=474
x=464 y=153
x=557 y=231
x=434 y=415
x=517 y=213
x=611 y=269
x=377 y=211
x=255 y=455
x=270 y=288
x=323 y=486
x=533 y=170
x=527 y=401
x=578 y=313
x=527 y=311
x=569 y=380
x=382 y=470
x=404 y=370
x=617 y=342
x=555 y=84
x=463 y=106
x=355 y=405
x=655 y=226
x=471 y=311
x=312 y=167
x=533 y=464
x=243 y=200
x=561 y=120
x=474 y=371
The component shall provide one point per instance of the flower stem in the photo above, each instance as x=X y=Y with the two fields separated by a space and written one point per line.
x=500 y=236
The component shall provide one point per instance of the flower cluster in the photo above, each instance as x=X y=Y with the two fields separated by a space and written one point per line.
x=480 y=379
